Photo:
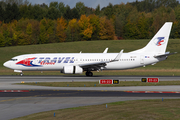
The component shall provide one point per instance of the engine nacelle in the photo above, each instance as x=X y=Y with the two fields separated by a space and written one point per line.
x=72 y=70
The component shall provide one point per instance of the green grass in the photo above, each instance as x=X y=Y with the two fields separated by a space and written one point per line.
x=172 y=63
x=126 y=110
x=96 y=84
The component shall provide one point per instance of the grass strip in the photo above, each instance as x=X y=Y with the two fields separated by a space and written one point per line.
x=168 y=109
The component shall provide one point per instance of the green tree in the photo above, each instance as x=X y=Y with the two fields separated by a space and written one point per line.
x=53 y=13
x=109 y=10
x=43 y=36
x=97 y=11
x=2 y=40
x=2 y=12
x=38 y=12
x=80 y=8
x=54 y=4
x=24 y=12
x=177 y=12
x=61 y=8
x=7 y=35
x=131 y=30
x=68 y=13
x=51 y=31
x=73 y=30
x=29 y=33
x=143 y=27
x=11 y=13
x=75 y=13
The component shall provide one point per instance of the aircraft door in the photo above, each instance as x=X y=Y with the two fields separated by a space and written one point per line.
x=142 y=59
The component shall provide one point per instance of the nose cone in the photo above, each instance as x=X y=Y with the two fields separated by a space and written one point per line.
x=6 y=64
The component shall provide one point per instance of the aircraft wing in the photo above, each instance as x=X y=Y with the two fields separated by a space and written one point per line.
x=98 y=65
x=166 y=54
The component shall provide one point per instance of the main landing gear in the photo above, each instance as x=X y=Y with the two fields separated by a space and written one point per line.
x=88 y=73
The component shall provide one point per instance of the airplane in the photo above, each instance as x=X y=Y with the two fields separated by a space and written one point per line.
x=77 y=63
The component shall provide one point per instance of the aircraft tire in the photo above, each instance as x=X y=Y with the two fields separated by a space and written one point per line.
x=21 y=74
x=89 y=74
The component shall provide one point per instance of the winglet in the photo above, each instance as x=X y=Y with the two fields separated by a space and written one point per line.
x=105 y=51
x=118 y=56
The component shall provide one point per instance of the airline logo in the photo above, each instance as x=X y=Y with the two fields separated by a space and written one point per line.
x=159 y=41
x=28 y=62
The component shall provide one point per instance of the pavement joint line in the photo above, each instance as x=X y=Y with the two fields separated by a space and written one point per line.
x=152 y=92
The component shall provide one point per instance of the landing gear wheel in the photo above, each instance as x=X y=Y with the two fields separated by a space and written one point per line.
x=21 y=74
x=89 y=74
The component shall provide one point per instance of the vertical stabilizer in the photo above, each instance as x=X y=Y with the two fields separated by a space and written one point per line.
x=159 y=42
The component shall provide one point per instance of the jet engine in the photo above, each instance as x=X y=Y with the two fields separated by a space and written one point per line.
x=72 y=70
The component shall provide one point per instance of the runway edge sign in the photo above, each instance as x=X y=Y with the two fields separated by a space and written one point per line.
x=150 y=80
x=108 y=81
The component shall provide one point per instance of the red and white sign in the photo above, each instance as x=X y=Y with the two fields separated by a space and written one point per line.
x=153 y=80
x=106 y=81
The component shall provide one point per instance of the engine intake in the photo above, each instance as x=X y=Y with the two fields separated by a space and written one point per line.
x=72 y=70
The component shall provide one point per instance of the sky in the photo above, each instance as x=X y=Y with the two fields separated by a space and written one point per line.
x=88 y=3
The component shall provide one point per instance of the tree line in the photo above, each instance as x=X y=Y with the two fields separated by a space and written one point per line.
x=22 y=23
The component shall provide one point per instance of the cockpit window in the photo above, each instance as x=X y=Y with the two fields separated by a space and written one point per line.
x=13 y=59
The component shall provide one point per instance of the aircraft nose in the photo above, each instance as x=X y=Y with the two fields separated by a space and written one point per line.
x=6 y=64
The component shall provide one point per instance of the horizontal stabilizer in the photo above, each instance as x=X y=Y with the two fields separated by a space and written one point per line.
x=166 y=54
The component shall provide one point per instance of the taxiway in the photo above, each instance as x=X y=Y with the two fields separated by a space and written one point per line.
x=39 y=99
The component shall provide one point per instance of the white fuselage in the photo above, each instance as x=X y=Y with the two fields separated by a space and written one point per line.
x=56 y=61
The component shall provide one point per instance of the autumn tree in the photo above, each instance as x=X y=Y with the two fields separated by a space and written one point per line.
x=106 y=29
x=95 y=23
x=72 y=30
x=85 y=27
x=162 y=15
x=60 y=29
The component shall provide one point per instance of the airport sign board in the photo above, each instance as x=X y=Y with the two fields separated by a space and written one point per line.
x=150 y=80
x=153 y=80
x=108 y=81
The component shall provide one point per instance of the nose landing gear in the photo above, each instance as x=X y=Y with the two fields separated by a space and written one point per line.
x=21 y=74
